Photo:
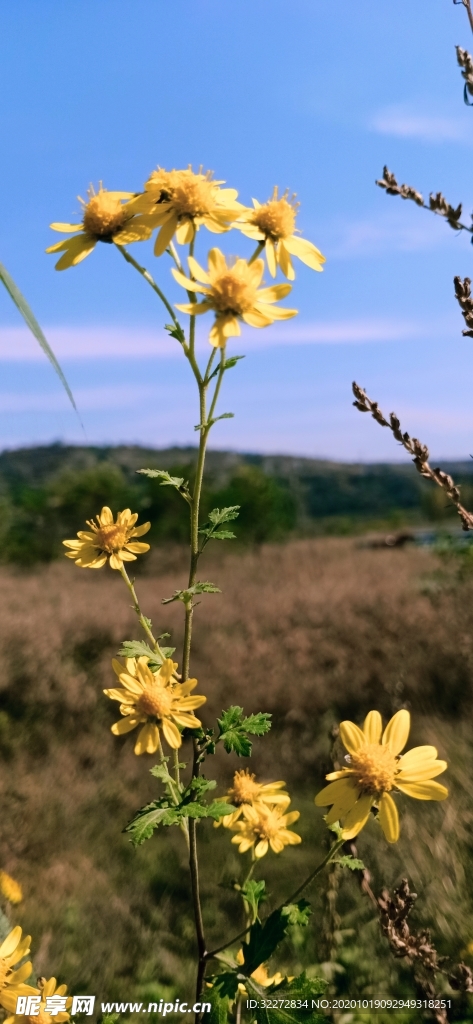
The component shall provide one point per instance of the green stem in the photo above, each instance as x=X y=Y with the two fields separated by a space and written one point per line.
x=147 y=276
x=143 y=621
x=218 y=385
x=258 y=250
x=330 y=855
x=173 y=252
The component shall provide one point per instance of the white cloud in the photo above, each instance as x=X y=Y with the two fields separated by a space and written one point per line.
x=92 y=343
x=406 y=124
x=101 y=398
x=402 y=230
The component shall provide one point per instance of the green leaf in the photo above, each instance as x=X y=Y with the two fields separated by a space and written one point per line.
x=219 y=1007
x=228 y=365
x=31 y=321
x=166 y=480
x=254 y=893
x=218 y=809
x=140 y=649
x=224 y=515
x=186 y=595
x=210 y=423
x=353 y=863
x=266 y=936
x=143 y=825
x=227 y=984
x=176 y=331
x=235 y=729
x=217 y=534
x=298 y=913
x=301 y=990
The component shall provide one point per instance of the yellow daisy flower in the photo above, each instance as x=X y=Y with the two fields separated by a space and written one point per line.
x=46 y=989
x=108 y=539
x=375 y=768
x=265 y=827
x=246 y=791
x=10 y=889
x=106 y=217
x=232 y=291
x=12 y=950
x=179 y=202
x=274 y=223
x=156 y=700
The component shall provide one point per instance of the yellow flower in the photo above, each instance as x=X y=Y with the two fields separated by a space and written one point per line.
x=232 y=292
x=246 y=791
x=108 y=539
x=375 y=769
x=261 y=975
x=274 y=223
x=179 y=202
x=265 y=827
x=10 y=889
x=45 y=989
x=12 y=950
x=106 y=217
x=156 y=700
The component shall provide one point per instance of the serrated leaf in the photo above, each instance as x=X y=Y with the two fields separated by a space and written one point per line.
x=176 y=331
x=254 y=893
x=218 y=534
x=299 y=990
x=140 y=649
x=186 y=595
x=224 y=515
x=143 y=826
x=353 y=863
x=228 y=365
x=257 y=725
x=31 y=322
x=219 y=1007
x=166 y=480
x=298 y=913
x=234 y=730
x=265 y=936
x=218 y=809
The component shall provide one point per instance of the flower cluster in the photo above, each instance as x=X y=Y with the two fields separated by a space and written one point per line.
x=176 y=204
x=374 y=769
x=13 y=978
x=259 y=819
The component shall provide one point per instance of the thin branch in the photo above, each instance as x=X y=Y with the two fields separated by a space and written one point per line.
x=437 y=202
x=467 y=5
x=419 y=451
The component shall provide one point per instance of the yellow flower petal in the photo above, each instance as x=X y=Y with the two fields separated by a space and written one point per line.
x=172 y=734
x=270 y=257
x=275 y=292
x=340 y=792
x=284 y=261
x=261 y=848
x=416 y=756
x=185 y=232
x=125 y=725
x=358 y=816
x=373 y=727
x=165 y=235
x=80 y=247
x=10 y=943
x=351 y=736
x=396 y=732
x=388 y=818
x=66 y=228
x=423 y=790
x=421 y=773
x=148 y=739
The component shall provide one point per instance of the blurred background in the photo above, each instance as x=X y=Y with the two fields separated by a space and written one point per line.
x=349 y=585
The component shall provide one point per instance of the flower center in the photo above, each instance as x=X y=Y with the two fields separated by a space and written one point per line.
x=374 y=767
x=276 y=219
x=245 y=789
x=233 y=291
x=268 y=825
x=111 y=538
x=193 y=195
x=155 y=701
x=103 y=215
x=165 y=181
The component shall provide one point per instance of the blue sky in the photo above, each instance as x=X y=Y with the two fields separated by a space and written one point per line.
x=313 y=96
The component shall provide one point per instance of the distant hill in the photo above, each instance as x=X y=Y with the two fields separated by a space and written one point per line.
x=46 y=494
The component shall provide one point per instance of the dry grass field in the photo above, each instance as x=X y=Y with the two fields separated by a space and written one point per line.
x=311 y=631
